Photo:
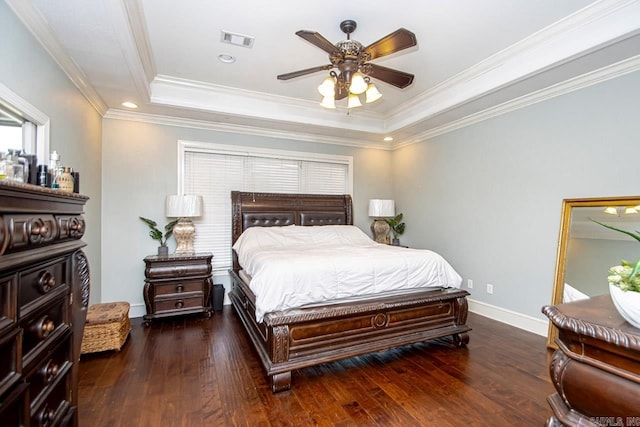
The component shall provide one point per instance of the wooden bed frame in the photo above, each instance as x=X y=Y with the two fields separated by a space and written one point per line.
x=297 y=338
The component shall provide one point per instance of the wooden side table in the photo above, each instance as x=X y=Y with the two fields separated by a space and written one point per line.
x=596 y=369
x=177 y=285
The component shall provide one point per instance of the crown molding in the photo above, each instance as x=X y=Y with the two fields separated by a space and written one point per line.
x=239 y=129
x=618 y=69
x=177 y=92
x=590 y=29
x=138 y=29
x=38 y=27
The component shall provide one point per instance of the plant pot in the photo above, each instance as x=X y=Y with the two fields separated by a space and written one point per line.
x=163 y=250
x=627 y=303
x=395 y=242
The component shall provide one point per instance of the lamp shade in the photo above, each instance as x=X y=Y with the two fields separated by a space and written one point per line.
x=186 y=206
x=379 y=208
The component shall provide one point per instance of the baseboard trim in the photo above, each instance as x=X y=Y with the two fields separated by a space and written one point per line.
x=521 y=321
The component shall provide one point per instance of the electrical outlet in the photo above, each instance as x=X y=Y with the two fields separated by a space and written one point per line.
x=489 y=288
x=469 y=283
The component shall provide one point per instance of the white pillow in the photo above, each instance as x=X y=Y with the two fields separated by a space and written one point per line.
x=276 y=237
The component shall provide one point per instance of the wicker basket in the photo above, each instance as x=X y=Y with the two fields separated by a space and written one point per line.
x=107 y=327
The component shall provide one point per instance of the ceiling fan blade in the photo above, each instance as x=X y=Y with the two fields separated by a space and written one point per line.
x=299 y=73
x=318 y=40
x=391 y=43
x=389 y=75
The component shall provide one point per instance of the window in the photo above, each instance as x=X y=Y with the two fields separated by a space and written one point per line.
x=214 y=170
x=22 y=126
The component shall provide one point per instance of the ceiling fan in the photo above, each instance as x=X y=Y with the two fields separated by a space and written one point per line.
x=350 y=58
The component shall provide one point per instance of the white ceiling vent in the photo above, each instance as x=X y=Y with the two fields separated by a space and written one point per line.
x=236 y=39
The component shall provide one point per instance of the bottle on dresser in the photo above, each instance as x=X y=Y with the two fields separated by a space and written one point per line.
x=54 y=168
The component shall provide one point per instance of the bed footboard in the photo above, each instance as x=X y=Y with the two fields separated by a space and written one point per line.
x=299 y=338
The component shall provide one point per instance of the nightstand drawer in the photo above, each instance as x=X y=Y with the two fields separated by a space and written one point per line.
x=194 y=300
x=178 y=287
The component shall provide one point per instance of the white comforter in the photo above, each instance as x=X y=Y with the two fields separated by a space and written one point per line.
x=295 y=266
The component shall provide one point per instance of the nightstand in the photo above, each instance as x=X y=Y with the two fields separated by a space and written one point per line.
x=177 y=285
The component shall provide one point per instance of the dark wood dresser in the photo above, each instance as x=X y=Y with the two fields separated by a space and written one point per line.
x=176 y=285
x=44 y=295
x=596 y=368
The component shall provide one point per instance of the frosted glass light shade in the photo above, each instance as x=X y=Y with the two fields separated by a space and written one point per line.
x=354 y=101
x=186 y=206
x=379 y=208
x=358 y=85
x=327 y=87
x=372 y=93
x=328 y=102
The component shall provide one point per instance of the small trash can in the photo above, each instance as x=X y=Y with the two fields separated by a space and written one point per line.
x=218 y=297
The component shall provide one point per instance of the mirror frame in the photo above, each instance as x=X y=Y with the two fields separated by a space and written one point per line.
x=565 y=226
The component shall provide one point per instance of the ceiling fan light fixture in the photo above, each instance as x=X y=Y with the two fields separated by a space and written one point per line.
x=630 y=210
x=373 y=94
x=328 y=87
x=328 y=102
x=611 y=210
x=358 y=85
x=354 y=101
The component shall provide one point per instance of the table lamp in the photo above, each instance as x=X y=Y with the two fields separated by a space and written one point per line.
x=184 y=207
x=380 y=209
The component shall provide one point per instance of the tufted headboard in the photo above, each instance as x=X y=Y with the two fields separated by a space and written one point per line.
x=277 y=210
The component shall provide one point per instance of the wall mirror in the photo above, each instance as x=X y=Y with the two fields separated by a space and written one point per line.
x=587 y=250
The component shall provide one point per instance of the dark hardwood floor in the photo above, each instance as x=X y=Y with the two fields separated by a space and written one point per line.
x=203 y=372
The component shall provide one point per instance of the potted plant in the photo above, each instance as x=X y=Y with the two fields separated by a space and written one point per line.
x=397 y=228
x=156 y=234
x=624 y=284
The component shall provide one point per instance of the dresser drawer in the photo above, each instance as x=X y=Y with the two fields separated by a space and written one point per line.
x=8 y=301
x=53 y=364
x=11 y=360
x=178 y=287
x=192 y=300
x=42 y=327
x=41 y=280
x=54 y=406
x=14 y=410
x=185 y=269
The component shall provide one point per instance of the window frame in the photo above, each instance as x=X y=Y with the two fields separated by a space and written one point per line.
x=185 y=146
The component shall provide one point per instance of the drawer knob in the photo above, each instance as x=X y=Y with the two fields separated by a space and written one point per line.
x=179 y=288
x=49 y=371
x=76 y=226
x=45 y=417
x=42 y=230
x=44 y=327
x=179 y=304
x=46 y=282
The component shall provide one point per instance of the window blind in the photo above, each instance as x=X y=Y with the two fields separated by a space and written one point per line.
x=213 y=174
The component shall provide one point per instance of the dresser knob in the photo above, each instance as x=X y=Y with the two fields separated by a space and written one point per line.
x=46 y=282
x=43 y=230
x=180 y=304
x=49 y=371
x=179 y=288
x=45 y=417
x=76 y=226
x=44 y=327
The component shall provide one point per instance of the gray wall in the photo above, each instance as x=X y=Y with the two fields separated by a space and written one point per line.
x=589 y=260
x=140 y=170
x=75 y=128
x=489 y=196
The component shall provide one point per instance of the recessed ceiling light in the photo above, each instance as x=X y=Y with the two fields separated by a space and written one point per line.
x=388 y=138
x=226 y=58
x=129 y=104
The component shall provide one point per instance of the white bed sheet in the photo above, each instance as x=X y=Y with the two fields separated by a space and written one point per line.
x=294 y=266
